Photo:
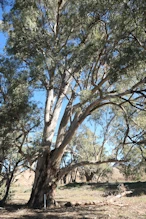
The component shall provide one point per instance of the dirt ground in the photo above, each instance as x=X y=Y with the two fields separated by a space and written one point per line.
x=86 y=200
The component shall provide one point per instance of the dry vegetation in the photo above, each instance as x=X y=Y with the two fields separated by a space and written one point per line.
x=87 y=201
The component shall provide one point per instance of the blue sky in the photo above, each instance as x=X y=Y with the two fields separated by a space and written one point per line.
x=2 y=37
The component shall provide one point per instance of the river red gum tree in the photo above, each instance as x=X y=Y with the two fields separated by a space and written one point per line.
x=85 y=54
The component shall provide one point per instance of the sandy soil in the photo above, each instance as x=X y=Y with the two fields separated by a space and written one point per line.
x=90 y=203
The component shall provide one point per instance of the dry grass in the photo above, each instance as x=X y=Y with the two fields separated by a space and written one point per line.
x=125 y=208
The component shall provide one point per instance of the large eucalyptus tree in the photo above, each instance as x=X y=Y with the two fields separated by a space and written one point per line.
x=85 y=54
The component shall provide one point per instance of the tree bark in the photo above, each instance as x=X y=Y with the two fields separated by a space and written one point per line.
x=45 y=182
x=8 y=185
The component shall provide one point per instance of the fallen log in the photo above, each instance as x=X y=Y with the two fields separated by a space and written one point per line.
x=114 y=198
x=109 y=200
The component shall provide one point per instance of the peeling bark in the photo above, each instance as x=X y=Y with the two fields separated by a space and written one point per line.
x=45 y=182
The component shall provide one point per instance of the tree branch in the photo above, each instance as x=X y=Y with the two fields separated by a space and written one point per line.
x=65 y=120
x=68 y=169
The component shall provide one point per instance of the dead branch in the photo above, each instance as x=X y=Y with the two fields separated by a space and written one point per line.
x=112 y=199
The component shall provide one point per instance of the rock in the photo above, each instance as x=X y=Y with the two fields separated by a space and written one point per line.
x=68 y=204
x=77 y=204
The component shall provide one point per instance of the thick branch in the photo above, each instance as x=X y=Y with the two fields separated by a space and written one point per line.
x=80 y=117
x=66 y=170
x=60 y=150
x=140 y=142
x=56 y=27
x=50 y=127
x=64 y=121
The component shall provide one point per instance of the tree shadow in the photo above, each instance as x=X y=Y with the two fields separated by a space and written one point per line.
x=79 y=212
x=137 y=188
x=40 y=216
x=81 y=184
x=14 y=207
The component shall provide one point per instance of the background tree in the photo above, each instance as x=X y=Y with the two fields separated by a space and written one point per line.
x=135 y=147
x=125 y=134
x=85 y=146
x=79 y=52
x=18 y=116
x=12 y=104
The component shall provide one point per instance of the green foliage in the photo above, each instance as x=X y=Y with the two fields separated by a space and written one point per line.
x=135 y=168
x=18 y=116
x=85 y=146
x=14 y=91
x=85 y=30
x=14 y=100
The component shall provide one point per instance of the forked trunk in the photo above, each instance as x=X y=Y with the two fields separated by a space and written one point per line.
x=44 y=183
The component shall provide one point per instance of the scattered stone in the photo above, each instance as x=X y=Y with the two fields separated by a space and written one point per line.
x=68 y=204
x=77 y=204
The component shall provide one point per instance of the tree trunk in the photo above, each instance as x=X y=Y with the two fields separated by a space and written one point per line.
x=8 y=185
x=65 y=178
x=89 y=176
x=45 y=183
